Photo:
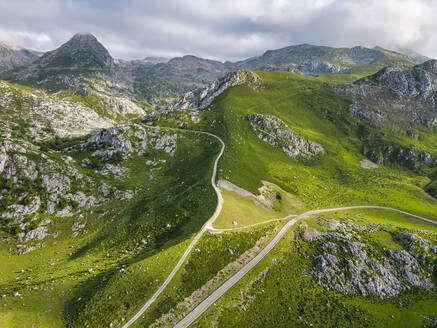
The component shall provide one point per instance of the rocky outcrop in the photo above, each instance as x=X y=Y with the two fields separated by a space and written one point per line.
x=383 y=108
x=201 y=98
x=397 y=154
x=128 y=139
x=418 y=82
x=397 y=97
x=274 y=131
x=316 y=67
x=349 y=264
x=65 y=116
x=36 y=184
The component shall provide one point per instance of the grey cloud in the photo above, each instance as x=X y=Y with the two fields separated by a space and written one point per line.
x=225 y=29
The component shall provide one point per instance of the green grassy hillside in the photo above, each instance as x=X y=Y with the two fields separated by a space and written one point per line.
x=104 y=272
x=311 y=109
x=281 y=292
x=131 y=242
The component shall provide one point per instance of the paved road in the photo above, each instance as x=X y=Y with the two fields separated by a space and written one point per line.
x=219 y=230
x=205 y=227
x=202 y=307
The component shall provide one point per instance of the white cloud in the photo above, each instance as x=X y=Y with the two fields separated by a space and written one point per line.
x=226 y=29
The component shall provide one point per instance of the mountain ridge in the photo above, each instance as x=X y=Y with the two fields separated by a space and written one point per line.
x=160 y=80
x=13 y=56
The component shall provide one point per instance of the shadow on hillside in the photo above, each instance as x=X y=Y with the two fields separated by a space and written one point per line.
x=186 y=215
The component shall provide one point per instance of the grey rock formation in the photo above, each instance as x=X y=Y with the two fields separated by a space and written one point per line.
x=274 y=131
x=203 y=97
x=82 y=51
x=13 y=56
x=313 y=60
x=172 y=78
x=418 y=82
x=65 y=116
x=349 y=264
x=383 y=107
x=390 y=153
x=128 y=138
x=161 y=80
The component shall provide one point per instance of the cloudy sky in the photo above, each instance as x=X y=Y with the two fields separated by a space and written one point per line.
x=220 y=29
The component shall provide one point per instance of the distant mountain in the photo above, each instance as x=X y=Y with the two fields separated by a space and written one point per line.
x=83 y=59
x=314 y=60
x=417 y=56
x=182 y=74
x=73 y=66
x=176 y=76
x=81 y=51
x=13 y=56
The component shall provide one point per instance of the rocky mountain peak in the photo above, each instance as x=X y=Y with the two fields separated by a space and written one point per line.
x=6 y=46
x=83 y=50
x=13 y=56
x=84 y=37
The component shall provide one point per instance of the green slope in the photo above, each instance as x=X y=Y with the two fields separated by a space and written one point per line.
x=311 y=109
x=281 y=292
x=126 y=272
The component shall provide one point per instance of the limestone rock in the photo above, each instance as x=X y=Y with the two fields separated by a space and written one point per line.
x=274 y=131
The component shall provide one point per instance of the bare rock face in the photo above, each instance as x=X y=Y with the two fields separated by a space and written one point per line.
x=128 y=139
x=13 y=56
x=36 y=183
x=49 y=114
x=349 y=264
x=418 y=82
x=390 y=153
x=398 y=97
x=381 y=106
x=316 y=67
x=203 y=97
x=274 y=131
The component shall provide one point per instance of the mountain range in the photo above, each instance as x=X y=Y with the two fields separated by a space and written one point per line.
x=158 y=80
x=297 y=188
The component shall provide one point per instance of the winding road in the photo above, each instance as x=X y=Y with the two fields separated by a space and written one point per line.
x=202 y=307
x=205 y=227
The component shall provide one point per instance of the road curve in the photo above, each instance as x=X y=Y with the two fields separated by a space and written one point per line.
x=205 y=227
x=202 y=307
x=219 y=230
